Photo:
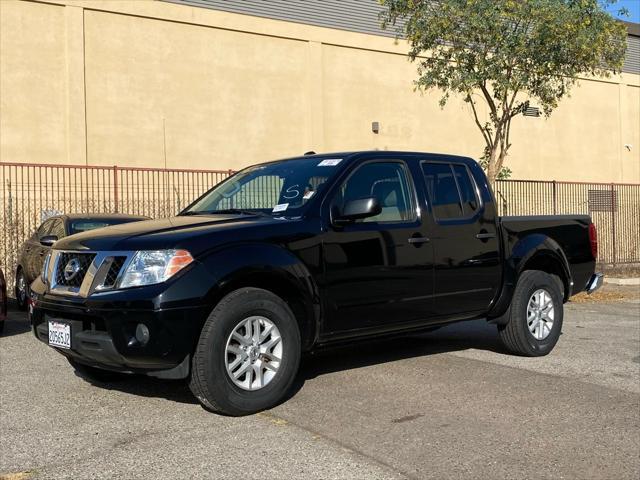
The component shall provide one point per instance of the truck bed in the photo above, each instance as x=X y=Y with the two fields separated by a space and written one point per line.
x=569 y=232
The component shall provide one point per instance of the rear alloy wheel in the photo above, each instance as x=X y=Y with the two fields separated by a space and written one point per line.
x=22 y=290
x=540 y=314
x=248 y=353
x=535 y=316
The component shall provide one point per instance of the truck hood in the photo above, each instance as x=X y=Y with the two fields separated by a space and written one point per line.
x=187 y=232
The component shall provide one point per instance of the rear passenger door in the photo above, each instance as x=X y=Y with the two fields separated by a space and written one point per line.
x=465 y=241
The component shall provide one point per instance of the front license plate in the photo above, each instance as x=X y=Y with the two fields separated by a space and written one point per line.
x=59 y=334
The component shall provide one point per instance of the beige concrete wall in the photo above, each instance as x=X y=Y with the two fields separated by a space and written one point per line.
x=33 y=82
x=210 y=98
x=126 y=82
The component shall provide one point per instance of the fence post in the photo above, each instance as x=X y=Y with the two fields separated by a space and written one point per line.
x=554 y=197
x=613 y=223
x=115 y=187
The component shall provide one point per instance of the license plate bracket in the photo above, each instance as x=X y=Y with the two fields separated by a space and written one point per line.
x=59 y=334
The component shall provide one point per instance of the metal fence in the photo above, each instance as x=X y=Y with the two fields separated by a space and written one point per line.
x=30 y=193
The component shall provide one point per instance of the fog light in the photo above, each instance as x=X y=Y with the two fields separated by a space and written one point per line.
x=142 y=334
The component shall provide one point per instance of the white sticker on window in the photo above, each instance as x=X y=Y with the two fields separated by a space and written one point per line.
x=330 y=162
x=280 y=207
x=308 y=194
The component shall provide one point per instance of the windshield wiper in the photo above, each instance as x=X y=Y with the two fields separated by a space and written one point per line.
x=238 y=211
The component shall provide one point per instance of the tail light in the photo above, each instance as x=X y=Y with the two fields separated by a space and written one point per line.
x=593 y=240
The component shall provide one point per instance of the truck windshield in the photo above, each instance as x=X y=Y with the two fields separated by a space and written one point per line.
x=279 y=188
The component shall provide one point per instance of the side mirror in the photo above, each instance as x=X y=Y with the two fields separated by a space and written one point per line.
x=48 y=240
x=357 y=209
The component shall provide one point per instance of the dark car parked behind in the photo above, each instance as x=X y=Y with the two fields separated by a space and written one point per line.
x=3 y=300
x=51 y=230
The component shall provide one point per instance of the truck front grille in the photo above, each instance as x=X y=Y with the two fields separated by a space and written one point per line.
x=83 y=273
x=113 y=272
x=72 y=267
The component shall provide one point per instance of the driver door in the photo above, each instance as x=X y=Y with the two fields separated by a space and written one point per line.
x=375 y=276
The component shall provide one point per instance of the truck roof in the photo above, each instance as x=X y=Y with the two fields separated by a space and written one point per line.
x=352 y=155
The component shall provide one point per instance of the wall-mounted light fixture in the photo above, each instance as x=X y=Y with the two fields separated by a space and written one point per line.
x=375 y=127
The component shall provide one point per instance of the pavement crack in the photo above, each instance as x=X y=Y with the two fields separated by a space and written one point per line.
x=408 y=418
x=350 y=448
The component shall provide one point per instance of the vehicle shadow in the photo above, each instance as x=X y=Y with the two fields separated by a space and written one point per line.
x=476 y=334
x=16 y=322
x=143 y=386
x=460 y=336
x=473 y=334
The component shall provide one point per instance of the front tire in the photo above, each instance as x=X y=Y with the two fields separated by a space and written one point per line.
x=535 y=317
x=248 y=353
x=22 y=290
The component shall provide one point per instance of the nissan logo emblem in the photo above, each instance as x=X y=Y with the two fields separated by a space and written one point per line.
x=71 y=269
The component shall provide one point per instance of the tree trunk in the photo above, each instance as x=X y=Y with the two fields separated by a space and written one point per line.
x=492 y=171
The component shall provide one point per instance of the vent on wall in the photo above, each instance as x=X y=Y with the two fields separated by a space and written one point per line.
x=603 y=201
x=531 y=112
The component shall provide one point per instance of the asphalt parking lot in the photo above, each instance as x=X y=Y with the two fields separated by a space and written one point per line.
x=449 y=404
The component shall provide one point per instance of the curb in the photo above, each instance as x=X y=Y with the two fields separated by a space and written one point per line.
x=622 y=281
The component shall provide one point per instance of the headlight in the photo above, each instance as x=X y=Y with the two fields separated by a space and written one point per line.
x=154 y=266
x=44 y=274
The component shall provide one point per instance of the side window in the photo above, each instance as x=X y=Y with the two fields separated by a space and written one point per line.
x=467 y=189
x=386 y=181
x=44 y=229
x=57 y=229
x=451 y=190
x=443 y=192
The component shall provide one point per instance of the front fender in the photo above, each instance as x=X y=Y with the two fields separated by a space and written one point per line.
x=265 y=266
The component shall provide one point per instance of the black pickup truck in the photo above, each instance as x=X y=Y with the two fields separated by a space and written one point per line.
x=285 y=257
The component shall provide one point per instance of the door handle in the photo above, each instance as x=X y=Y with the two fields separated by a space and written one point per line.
x=415 y=240
x=484 y=235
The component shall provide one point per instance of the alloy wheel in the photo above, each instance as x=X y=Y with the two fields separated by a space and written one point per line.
x=253 y=353
x=540 y=314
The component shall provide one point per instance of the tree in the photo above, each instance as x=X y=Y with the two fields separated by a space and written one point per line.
x=506 y=53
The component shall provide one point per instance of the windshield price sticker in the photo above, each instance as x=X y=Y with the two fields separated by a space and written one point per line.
x=330 y=162
x=280 y=207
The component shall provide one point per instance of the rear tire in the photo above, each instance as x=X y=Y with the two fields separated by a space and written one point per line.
x=535 y=316
x=236 y=371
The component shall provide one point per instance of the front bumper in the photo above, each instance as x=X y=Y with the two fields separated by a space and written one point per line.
x=107 y=339
x=595 y=282
x=103 y=327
